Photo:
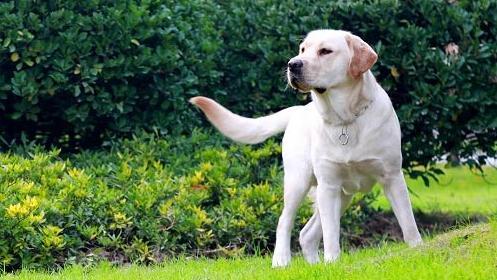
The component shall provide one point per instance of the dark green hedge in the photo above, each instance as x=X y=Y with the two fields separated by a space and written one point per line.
x=83 y=70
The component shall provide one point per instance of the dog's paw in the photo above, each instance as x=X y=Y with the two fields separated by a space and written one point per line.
x=310 y=254
x=330 y=258
x=311 y=257
x=281 y=259
x=414 y=242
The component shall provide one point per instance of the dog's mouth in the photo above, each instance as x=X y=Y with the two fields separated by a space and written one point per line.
x=304 y=88
x=297 y=82
x=320 y=90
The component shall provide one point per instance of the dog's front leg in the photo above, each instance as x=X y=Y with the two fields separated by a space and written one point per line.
x=396 y=191
x=296 y=186
x=329 y=204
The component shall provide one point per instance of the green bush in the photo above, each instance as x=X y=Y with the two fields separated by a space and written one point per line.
x=143 y=200
x=79 y=71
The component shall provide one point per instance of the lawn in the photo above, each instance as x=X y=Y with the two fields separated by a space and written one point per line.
x=466 y=253
x=459 y=191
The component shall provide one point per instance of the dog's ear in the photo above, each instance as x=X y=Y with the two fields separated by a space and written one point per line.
x=363 y=56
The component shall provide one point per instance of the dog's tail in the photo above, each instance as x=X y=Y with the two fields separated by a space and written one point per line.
x=241 y=129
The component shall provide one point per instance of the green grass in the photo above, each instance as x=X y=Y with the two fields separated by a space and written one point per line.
x=459 y=191
x=466 y=253
x=469 y=253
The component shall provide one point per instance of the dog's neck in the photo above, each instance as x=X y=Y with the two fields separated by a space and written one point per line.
x=341 y=105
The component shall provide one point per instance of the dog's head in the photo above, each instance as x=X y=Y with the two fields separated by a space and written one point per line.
x=327 y=59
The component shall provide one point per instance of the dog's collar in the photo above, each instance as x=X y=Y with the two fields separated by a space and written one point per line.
x=343 y=138
x=363 y=109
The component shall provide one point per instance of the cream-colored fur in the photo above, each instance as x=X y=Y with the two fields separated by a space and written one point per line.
x=342 y=142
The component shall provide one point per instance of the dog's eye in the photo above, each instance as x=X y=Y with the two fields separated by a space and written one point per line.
x=324 y=51
x=302 y=50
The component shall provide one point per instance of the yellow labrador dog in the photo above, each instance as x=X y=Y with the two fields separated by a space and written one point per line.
x=342 y=142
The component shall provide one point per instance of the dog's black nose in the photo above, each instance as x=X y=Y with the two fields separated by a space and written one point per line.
x=295 y=65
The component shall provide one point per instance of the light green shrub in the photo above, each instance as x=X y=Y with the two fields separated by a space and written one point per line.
x=143 y=200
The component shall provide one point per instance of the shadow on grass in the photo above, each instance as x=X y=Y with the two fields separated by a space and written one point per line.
x=383 y=227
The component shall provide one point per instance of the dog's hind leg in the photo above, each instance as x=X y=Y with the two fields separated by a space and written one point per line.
x=311 y=234
x=296 y=185
x=310 y=237
x=396 y=191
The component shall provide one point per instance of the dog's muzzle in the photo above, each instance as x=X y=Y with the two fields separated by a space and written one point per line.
x=295 y=74
x=296 y=77
x=295 y=66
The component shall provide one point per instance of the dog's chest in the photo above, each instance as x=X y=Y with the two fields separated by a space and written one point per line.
x=353 y=163
x=358 y=176
x=351 y=176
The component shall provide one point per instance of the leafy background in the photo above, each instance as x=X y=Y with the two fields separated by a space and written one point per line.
x=87 y=77
x=75 y=73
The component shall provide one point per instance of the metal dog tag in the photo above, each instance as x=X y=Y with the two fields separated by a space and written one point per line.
x=344 y=137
